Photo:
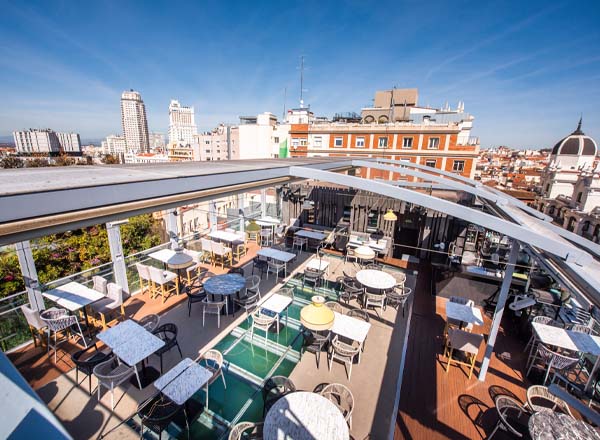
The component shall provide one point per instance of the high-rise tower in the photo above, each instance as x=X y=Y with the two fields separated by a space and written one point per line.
x=135 y=124
x=182 y=127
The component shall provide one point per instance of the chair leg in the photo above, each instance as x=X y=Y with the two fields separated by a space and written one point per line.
x=161 y=364
x=179 y=349
x=223 y=377
x=90 y=384
x=137 y=376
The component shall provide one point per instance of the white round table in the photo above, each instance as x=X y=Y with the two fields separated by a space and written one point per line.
x=304 y=415
x=375 y=279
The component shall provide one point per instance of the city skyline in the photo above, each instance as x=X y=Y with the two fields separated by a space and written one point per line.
x=523 y=71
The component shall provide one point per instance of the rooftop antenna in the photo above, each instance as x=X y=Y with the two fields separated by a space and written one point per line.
x=302 y=81
x=284 y=99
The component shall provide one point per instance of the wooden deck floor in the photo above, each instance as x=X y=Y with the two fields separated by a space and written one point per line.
x=435 y=404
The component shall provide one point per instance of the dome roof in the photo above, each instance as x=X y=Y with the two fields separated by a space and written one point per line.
x=576 y=144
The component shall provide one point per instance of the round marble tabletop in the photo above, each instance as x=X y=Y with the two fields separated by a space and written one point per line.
x=228 y=284
x=550 y=425
x=304 y=416
x=364 y=252
x=375 y=279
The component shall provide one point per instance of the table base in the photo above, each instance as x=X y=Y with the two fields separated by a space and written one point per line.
x=147 y=376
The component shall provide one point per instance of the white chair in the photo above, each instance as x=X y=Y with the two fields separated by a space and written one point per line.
x=230 y=230
x=350 y=255
x=221 y=254
x=262 y=322
x=299 y=243
x=58 y=321
x=342 y=397
x=164 y=283
x=275 y=267
x=266 y=238
x=111 y=305
x=374 y=300
x=100 y=284
x=212 y=308
x=253 y=285
x=37 y=326
x=144 y=277
x=343 y=352
x=111 y=374
x=212 y=360
x=206 y=246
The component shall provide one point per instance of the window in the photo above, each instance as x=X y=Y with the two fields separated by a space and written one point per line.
x=434 y=143
x=372 y=221
x=458 y=166
x=303 y=142
x=360 y=142
x=276 y=139
x=382 y=142
x=407 y=142
x=295 y=142
x=318 y=141
x=431 y=163
x=338 y=141
x=347 y=214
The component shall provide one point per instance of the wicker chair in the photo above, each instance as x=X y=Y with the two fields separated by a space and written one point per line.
x=513 y=417
x=314 y=342
x=157 y=412
x=359 y=314
x=341 y=397
x=274 y=389
x=344 y=353
x=552 y=360
x=253 y=285
x=374 y=266
x=335 y=306
x=580 y=328
x=86 y=362
x=58 y=322
x=398 y=296
x=212 y=360
x=111 y=374
x=539 y=398
x=248 y=302
x=312 y=276
x=262 y=322
x=168 y=333
x=349 y=290
x=246 y=430
x=194 y=298
x=375 y=300
x=149 y=322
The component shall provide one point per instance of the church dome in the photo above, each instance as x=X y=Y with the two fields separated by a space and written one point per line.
x=576 y=144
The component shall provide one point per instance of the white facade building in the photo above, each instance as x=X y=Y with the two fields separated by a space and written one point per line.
x=114 y=145
x=135 y=124
x=182 y=126
x=46 y=141
x=261 y=136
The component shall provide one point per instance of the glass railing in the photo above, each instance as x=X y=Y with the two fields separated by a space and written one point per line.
x=13 y=327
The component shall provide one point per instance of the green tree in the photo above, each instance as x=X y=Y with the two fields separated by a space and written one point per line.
x=12 y=162
x=109 y=159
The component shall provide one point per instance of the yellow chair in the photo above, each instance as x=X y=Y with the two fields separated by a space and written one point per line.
x=468 y=343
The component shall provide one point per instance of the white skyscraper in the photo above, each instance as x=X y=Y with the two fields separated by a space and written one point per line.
x=135 y=124
x=182 y=127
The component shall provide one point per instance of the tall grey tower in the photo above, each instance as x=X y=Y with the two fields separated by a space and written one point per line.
x=135 y=124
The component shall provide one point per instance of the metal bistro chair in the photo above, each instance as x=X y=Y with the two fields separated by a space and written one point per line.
x=299 y=243
x=512 y=417
x=263 y=322
x=349 y=289
x=314 y=342
x=212 y=308
x=274 y=389
x=341 y=396
x=111 y=374
x=149 y=322
x=343 y=352
x=253 y=285
x=58 y=321
x=335 y=306
x=247 y=430
x=266 y=238
x=167 y=333
x=552 y=360
x=312 y=276
x=198 y=296
x=398 y=296
x=212 y=360
x=533 y=340
x=157 y=412
x=85 y=361
x=374 y=300
x=259 y=263
x=276 y=267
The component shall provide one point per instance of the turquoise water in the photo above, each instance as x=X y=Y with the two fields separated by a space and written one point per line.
x=247 y=364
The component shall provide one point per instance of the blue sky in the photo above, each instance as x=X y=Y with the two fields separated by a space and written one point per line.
x=526 y=70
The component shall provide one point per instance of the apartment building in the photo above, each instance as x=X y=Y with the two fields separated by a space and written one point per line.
x=114 y=145
x=439 y=138
x=134 y=122
x=46 y=142
x=182 y=125
x=219 y=144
